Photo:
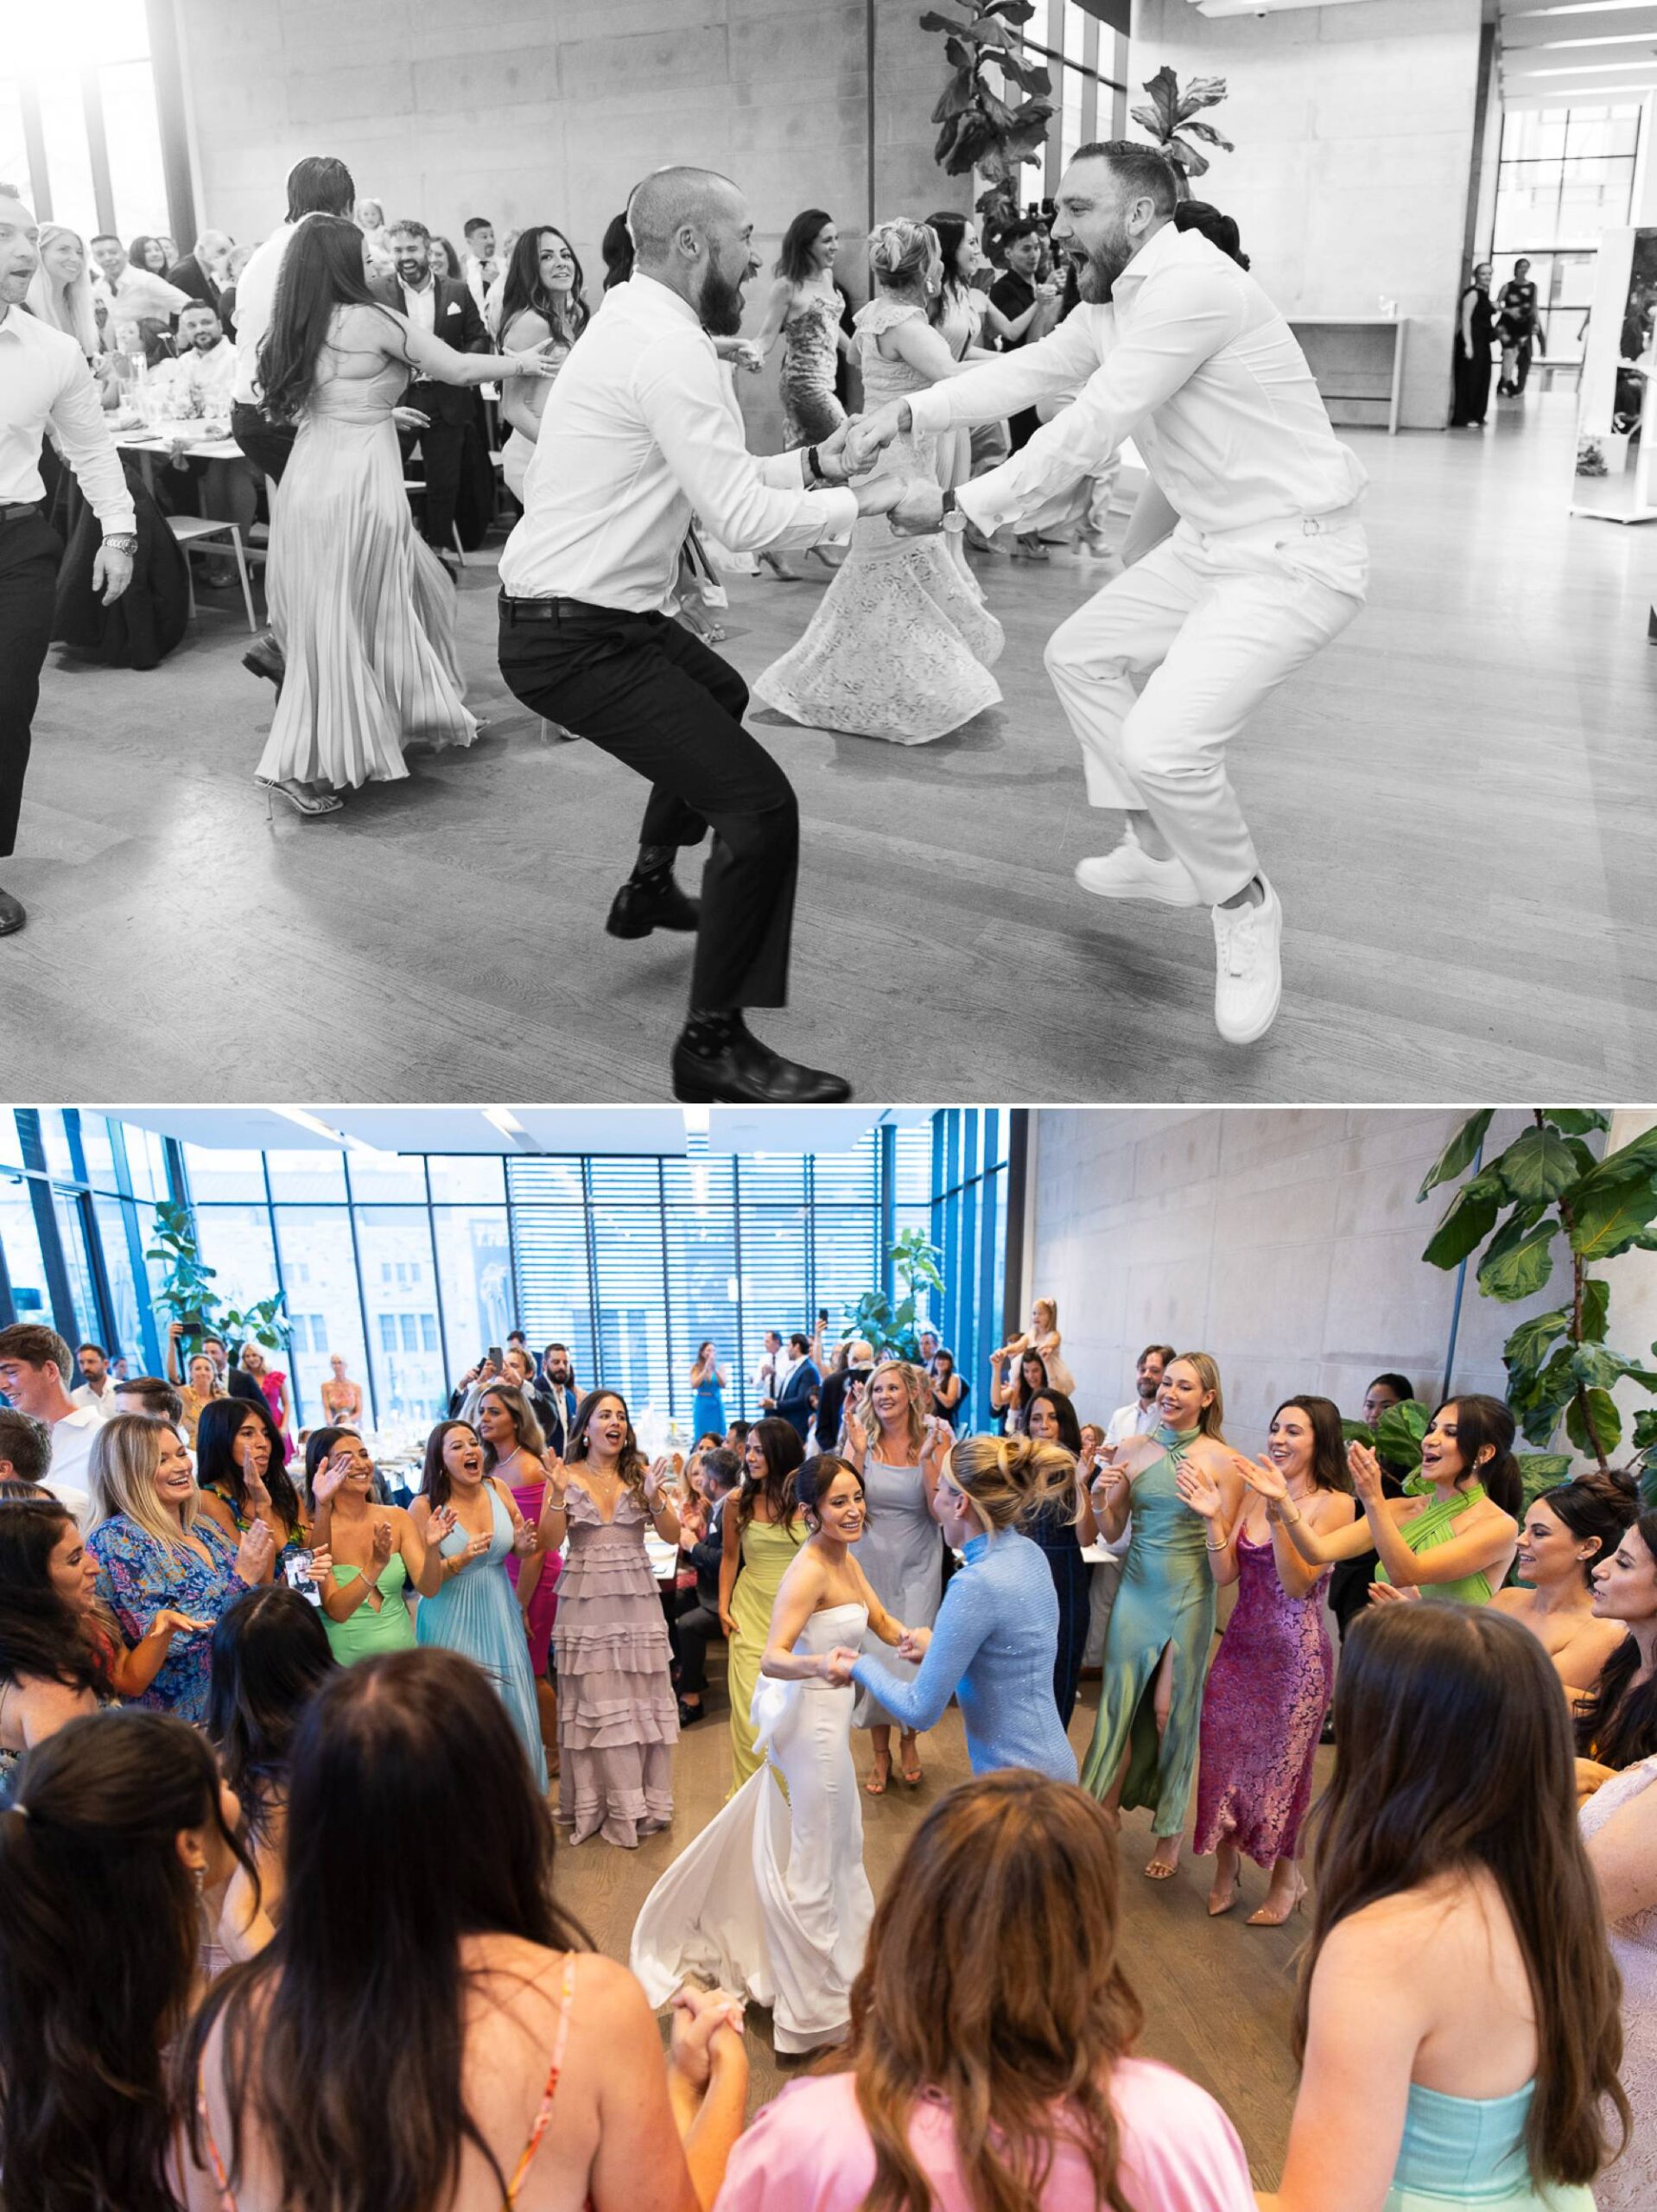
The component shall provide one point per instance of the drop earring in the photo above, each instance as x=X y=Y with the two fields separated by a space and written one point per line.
x=198 y=1875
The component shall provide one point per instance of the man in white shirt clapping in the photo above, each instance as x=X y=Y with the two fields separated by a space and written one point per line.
x=639 y=432
x=1182 y=352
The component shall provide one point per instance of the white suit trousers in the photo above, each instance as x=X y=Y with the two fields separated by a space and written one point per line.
x=1162 y=668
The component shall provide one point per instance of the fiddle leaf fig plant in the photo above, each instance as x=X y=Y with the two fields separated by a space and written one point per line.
x=894 y=1331
x=186 y=1290
x=977 y=128
x=1547 y=1185
x=1171 y=119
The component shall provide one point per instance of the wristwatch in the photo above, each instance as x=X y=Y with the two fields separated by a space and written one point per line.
x=121 y=541
x=953 y=518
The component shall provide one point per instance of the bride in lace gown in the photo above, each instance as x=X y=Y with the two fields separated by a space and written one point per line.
x=771 y=1898
x=360 y=605
x=902 y=644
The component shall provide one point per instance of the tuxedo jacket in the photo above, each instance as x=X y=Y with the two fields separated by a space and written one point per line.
x=794 y=1399
x=457 y=323
x=190 y=277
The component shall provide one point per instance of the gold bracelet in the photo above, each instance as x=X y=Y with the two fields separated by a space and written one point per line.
x=1220 y=1546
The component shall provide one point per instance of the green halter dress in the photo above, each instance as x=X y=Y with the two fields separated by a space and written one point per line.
x=1165 y=1597
x=1435 y=1527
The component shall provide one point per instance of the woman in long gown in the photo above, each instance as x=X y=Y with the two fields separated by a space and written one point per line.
x=618 y=1719
x=772 y=1898
x=1619 y=1826
x=542 y=302
x=1061 y=1526
x=707 y=1381
x=1269 y=1687
x=897 y=1444
x=759 y=1535
x=475 y=1610
x=1162 y=1623
x=992 y=1644
x=514 y=1449
x=361 y=606
x=901 y=646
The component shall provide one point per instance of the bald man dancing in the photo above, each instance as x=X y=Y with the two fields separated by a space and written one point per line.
x=1175 y=347
x=638 y=434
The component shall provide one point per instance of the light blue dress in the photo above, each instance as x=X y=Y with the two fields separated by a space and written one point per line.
x=991 y=1648
x=476 y=1613
x=1459 y=2151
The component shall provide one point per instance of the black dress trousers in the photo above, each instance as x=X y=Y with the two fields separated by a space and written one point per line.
x=643 y=689
x=29 y=552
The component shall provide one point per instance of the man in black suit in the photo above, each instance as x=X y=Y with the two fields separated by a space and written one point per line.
x=831 y=1405
x=448 y=309
x=202 y=271
x=796 y=1400
x=694 y=1627
x=560 y=1400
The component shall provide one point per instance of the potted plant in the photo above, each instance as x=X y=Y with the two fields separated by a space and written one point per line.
x=977 y=129
x=186 y=1294
x=1547 y=1184
x=1171 y=119
x=894 y=1331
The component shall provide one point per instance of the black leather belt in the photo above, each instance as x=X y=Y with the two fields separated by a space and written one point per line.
x=561 y=610
x=25 y=511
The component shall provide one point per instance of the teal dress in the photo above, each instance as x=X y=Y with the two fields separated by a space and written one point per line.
x=1165 y=1597
x=476 y=1612
x=1459 y=2151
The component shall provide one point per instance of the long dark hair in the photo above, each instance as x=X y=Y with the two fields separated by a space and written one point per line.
x=1018 y=2034
x=322 y=270
x=1481 y=1419
x=527 y=1432
x=1069 y=1429
x=1596 y=1508
x=949 y=230
x=631 y=1466
x=524 y=293
x=783 y=1454
x=1455 y=1754
x=794 y=260
x=1020 y=1398
x=1617 y=1723
x=216 y=1428
x=138 y=252
x=617 y=248
x=414 y=1745
x=435 y=1483
x=318 y=1446
x=39 y=1635
x=1329 y=1467
x=270 y=1653
x=90 y=1872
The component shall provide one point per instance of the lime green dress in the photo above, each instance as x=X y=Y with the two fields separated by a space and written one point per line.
x=1165 y=1597
x=370 y=1629
x=768 y=1551
x=1435 y=1527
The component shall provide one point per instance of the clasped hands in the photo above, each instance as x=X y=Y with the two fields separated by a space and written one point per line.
x=913 y=506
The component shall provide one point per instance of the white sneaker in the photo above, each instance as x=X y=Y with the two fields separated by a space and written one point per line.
x=1130 y=872
x=1248 y=978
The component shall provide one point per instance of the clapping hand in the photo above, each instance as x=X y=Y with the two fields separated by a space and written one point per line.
x=256 y=1552
x=1366 y=1474
x=1383 y=1593
x=557 y=1484
x=321 y=1566
x=329 y=1480
x=384 y=1533
x=475 y=1548
x=1200 y=1491
x=654 y=1475
x=937 y=1438
x=525 y=1539
x=441 y=1524
x=857 y=1434
x=1260 y=1475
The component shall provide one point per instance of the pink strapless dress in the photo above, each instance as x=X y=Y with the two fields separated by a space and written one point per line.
x=543 y=1606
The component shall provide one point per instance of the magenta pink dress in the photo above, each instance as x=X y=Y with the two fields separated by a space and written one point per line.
x=272 y=1385
x=543 y=1606
x=1263 y=1709
x=809 y=2149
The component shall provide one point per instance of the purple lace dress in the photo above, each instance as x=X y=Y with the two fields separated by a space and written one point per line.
x=1262 y=1714
x=618 y=1719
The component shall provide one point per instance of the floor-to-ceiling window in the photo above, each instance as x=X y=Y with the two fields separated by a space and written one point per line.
x=1565 y=175
x=408 y=1267
x=79 y=130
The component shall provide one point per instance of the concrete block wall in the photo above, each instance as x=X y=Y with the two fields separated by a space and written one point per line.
x=1285 y=1242
x=550 y=111
x=1354 y=135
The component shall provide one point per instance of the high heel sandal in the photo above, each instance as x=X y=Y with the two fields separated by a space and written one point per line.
x=1267 y=1918
x=1159 y=1870
x=876 y=1787
x=779 y=568
x=911 y=1776
x=301 y=802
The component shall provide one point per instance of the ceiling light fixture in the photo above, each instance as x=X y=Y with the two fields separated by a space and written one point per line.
x=504 y=1119
x=342 y=1139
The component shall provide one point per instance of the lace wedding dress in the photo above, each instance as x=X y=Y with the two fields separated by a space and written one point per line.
x=771 y=1899
x=901 y=646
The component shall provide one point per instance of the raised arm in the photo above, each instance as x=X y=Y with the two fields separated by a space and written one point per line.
x=422 y=350
x=1321 y=1547
x=1009 y=383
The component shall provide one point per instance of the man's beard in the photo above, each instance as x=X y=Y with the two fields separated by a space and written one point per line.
x=1148 y=1391
x=1096 y=277
x=720 y=305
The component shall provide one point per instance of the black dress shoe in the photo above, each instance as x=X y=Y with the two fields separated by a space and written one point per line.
x=655 y=904
x=13 y=914
x=690 y=1714
x=743 y=1071
x=264 y=656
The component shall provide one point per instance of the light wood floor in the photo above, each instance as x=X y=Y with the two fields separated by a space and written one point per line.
x=1217 y=1993
x=1458 y=802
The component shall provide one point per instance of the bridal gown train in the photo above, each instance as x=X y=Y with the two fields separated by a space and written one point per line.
x=772 y=1900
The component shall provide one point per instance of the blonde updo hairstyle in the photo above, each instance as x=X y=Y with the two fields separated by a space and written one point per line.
x=901 y=252
x=1007 y=1480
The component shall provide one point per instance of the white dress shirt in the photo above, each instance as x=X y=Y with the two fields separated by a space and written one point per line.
x=1137 y=1419
x=106 y=1406
x=212 y=374
x=1189 y=359
x=638 y=435
x=420 y=303
x=256 y=296
x=45 y=383
x=66 y=1473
